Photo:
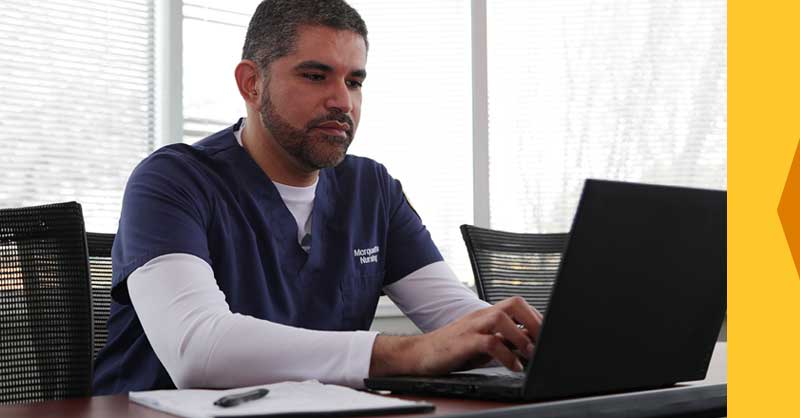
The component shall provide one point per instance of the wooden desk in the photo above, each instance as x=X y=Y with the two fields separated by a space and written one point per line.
x=709 y=401
x=706 y=398
x=117 y=406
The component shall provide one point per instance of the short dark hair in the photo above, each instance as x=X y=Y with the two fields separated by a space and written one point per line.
x=272 y=32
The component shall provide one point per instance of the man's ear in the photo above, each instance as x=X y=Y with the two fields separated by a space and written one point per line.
x=248 y=79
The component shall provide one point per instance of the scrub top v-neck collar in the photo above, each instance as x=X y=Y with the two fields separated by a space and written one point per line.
x=278 y=215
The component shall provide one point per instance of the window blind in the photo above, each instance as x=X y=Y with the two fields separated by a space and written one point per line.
x=615 y=89
x=76 y=109
x=213 y=35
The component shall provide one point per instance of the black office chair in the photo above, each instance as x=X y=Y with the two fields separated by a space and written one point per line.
x=100 y=271
x=45 y=304
x=506 y=264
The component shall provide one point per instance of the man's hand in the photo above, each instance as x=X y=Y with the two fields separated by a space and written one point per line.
x=468 y=342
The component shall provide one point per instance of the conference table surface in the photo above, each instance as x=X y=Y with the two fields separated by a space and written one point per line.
x=119 y=406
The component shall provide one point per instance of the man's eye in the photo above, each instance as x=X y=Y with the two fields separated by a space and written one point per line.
x=354 y=84
x=314 y=77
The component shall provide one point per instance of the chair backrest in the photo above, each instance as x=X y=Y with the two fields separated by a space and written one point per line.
x=506 y=264
x=100 y=271
x=45 y=304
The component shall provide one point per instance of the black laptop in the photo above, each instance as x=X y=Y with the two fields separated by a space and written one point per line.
x=638 y=302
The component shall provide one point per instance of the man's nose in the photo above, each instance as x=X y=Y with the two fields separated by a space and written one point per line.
x=340 y=98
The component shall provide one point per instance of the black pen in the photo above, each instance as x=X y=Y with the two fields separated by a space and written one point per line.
x=239 y=398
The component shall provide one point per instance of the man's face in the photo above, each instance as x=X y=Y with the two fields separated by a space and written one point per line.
x=311 y=103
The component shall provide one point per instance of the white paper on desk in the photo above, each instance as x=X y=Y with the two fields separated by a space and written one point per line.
x=284 y=398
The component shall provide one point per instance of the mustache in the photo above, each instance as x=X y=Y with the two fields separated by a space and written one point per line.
x=332 y=117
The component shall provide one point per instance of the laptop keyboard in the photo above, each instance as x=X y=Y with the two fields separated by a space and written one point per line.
x=488 y=380
x=493 y=371
x=491 y=376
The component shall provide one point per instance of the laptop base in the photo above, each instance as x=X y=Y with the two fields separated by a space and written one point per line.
x=453 y=386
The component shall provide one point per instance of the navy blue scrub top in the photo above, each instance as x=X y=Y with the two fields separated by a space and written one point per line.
x=213 y=201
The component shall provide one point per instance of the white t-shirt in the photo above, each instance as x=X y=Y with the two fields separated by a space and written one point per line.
x=299 y=201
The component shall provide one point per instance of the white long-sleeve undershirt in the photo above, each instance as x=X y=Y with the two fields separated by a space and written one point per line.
x=201 y=343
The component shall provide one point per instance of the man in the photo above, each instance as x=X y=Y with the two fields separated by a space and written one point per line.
x=258 y=254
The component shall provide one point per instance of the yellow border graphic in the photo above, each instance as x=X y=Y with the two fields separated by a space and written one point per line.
x=789 y=207
x=763 y=131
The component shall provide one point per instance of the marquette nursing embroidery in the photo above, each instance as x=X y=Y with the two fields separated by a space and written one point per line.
x=367 y=255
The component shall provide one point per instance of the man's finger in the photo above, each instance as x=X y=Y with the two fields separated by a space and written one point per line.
x=507 y=328
x=537 y=313
x=494 y=346
x=522 y=312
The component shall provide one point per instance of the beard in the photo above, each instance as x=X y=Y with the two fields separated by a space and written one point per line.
x=314 y=150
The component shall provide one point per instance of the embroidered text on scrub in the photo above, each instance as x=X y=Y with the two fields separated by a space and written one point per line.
x=367 y=255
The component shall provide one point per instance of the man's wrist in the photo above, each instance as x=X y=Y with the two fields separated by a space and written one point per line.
x=394 y=355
